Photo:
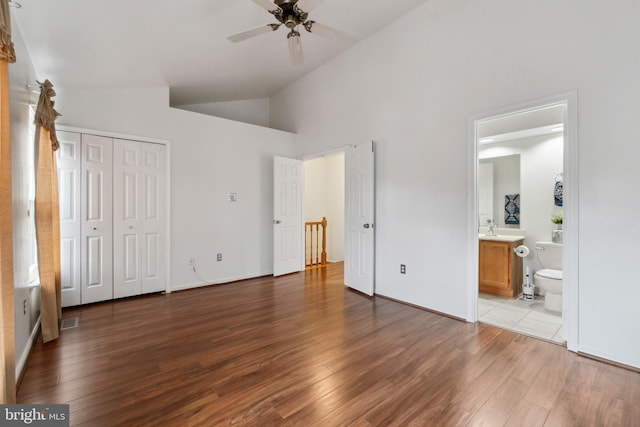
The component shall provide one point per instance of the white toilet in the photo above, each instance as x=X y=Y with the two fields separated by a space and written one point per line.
x=550 y=277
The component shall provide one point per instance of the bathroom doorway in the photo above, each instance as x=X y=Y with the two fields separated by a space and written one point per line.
x=522 y=161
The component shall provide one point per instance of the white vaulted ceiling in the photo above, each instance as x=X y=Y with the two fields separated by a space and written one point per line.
x=118 y=44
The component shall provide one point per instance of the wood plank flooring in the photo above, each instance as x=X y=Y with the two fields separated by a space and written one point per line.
x=303 y=350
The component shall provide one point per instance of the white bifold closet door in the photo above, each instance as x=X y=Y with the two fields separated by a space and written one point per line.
x=69 y=178
x=112 y=217
x=138 y=218
x=97 y=221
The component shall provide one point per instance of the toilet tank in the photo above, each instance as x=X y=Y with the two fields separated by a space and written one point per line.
x=549 y=254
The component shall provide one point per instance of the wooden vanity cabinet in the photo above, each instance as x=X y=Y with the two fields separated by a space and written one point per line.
x=500 y=270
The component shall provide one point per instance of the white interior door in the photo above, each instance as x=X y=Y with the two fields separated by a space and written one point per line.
x=287 y=216
x=359 y=218
x=69 y=173
x=97 y=231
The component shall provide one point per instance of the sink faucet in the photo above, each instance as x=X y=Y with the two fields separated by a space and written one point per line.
x=491 y=225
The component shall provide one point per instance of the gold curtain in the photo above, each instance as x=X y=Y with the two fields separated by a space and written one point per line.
x=7 y=331
x=48 y=214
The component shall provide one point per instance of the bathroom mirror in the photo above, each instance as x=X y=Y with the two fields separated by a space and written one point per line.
x=499 y=182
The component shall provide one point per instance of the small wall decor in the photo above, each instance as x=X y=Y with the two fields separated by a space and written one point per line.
x=512 y=208
x=557 y=190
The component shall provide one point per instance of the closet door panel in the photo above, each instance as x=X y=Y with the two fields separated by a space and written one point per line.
x=153 y=259
x=130 y=257
x=153 y=178
x=97 y=220
x=152 y=198
x=126 y=221
x=69 y=172
x=95 y=261
x=130 y=197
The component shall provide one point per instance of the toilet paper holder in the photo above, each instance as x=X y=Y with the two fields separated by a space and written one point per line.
x=521 y=251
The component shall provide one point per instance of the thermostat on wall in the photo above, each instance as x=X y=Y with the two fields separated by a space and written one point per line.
x=232 y=197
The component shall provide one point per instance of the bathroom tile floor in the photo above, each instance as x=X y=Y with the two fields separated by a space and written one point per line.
x=518 y=315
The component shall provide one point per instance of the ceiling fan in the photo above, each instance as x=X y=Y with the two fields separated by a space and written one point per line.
x=291 y=14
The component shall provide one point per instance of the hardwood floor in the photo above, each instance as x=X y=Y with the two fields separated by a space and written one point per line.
x=303 y=350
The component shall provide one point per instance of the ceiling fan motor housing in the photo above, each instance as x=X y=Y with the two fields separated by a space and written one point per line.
x=282 y=3
x=289 y=14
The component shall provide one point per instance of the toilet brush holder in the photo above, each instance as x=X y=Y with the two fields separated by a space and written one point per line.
x=527 y=291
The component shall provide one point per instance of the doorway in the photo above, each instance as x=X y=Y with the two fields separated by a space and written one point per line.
x=358 y=246
x=529 y=152
x=324 y=197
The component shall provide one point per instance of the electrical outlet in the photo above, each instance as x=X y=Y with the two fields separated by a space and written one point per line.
x=403 y=269
x=192 y=262
x=219 y=257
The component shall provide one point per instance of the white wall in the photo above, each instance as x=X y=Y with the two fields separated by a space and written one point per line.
x=252 y=111
x=324 y=197
x=414 y=87
x=541 y=162
x=210 y=157
x=315 y=189
x=335 y=206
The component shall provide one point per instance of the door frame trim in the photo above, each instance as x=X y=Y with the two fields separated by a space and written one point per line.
x=326 y=153
x=571 y=210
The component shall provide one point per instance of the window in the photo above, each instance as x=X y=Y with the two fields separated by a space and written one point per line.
x=31 y=248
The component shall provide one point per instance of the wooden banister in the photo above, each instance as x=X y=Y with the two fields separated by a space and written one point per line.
x=313 y=256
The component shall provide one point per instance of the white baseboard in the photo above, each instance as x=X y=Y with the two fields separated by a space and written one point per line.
x=606 y=356
x=194 y=285
x=22 y=360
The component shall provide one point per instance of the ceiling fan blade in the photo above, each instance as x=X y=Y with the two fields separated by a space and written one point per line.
x=269 y=6
x=295 y=48
x=329 y=32
x=308 y=5
x=263 y=29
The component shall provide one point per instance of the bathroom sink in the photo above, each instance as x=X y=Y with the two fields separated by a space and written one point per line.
x=500 y=237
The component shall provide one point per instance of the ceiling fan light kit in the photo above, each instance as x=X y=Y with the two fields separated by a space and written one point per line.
x=295 y=48
x=291 y=14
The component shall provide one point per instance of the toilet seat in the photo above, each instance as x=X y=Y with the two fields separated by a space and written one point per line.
x=550 y=274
